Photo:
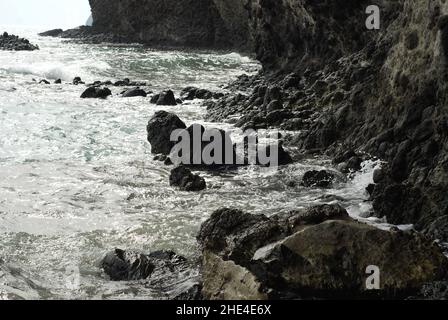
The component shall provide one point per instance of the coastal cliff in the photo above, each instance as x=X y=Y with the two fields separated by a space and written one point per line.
x=171 y=23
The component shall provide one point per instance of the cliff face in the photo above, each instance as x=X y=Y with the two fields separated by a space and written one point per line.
x=354 y=90
x=191 y=23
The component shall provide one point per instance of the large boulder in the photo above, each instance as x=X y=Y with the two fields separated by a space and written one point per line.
x=96 y=93
x=159 y=130
x=318 y=252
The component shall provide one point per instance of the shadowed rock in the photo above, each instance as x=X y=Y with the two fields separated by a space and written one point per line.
x=160 y=128
x=96 y=93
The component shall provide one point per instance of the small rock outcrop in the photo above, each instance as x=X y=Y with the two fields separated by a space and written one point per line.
x=96 y=93
x=14 y=43
x=159 y=129
x=165 y=98
x=135 y=92
x=183 y=178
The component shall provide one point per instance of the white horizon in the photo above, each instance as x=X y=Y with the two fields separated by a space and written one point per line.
x=44 y=13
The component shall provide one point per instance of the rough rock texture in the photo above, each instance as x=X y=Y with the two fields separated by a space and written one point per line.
x=317 y=253
x=319 y=179
x=380 y=92
x=163 y=271
x=187 y=23
x=14 y=43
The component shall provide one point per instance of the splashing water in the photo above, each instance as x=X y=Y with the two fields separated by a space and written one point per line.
x=77 y=178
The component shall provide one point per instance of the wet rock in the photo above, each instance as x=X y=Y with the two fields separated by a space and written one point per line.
x=121 y=265
x=165 y=98
x=318 y=252
x=44 y=81
x=191 y=93
x=318 y=179
x=58 y=81
x=96 y=93
x=135 y=92
x=77 y=80
x=52 y=33
x=159 y=130
x=317 y=214
x=14 y=43
x=122 y=83
x=187 y=181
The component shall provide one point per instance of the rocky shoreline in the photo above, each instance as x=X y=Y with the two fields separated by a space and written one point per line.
x=349 y=94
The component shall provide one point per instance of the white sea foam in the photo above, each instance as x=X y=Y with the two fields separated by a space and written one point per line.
x=55 y=70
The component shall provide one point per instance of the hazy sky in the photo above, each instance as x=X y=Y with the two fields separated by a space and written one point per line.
x=48 y=13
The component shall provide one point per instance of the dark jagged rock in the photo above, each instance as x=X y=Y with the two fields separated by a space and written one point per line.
x=159 y=130
x=44 y=81
x=52 y=33
x=97 y=93
x=77 y=80
x=191 y=93
x=187 y=181
x=319 y=179
x=319 y=252
x=14 y=43
x=58 y=81
x=165 y=98
x=136 y=92
x=122 y=265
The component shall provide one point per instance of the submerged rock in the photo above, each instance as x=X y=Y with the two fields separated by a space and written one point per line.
x=319 y=252
x=121 y=265
x=160 y=128
x=187 y=181
x=95 y=92
x=318 y=179
x=77 y=80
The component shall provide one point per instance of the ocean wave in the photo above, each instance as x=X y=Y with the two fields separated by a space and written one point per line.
x=53 y=70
